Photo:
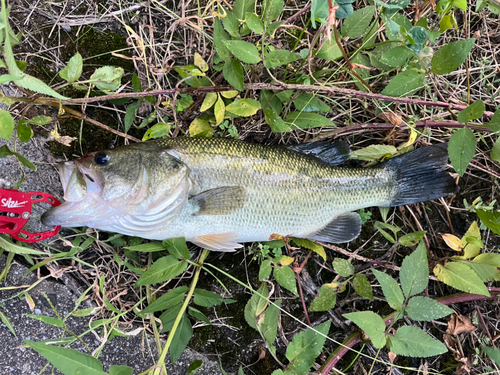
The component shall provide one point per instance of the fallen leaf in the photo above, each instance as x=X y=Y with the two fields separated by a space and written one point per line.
x=459 y=324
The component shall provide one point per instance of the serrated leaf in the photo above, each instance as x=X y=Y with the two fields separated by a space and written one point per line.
x=485 y=272
x=362 y=286
x=356 y=24
x=206 y=298
x=107 y=78
x=34 y=84
x=460 y=277
x=233 y=73
x=240 y=7
x=160 y=129
x=268 y=327
x=265 y=269
x=130 y=114
x=413 y=342
x=326 y=298
x=163 y=269
x=182 y=336
x=310 y=103
x=254 y=23
x=405 y=83
x=68 y=361
x=200 y=128
x=372 y=324
x=425 y=309
x=305 y=347
x=6 y=125
x=343 y=267
x=243 y=51
x=304 y=120
x=231 y=24
x=220 y=36
x=308 y=244
x=73 y=70
x=229 y=94
x=461 y=149
x=491 y=220
x=451 y=56
x=166 y=301
x=414 y=273
x=492 y=259
x=412 y=239
x=279 y=57
x=219 y=111
x=244 y=107
x=286 y=278
x=391 y=290
x=453 y=242
x=148 y=247
x=256 y=305
x=397 y=56
x=472 y=112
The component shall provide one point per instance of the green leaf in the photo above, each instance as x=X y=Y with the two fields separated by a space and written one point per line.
x=329 y=51
x=414 y=273
x=426 y=309
x=461 y=277
x=68 y=361
x=148 y=247
x=485 y=272
x=279 y=57
x=451 y=56
x=345 y=9
x=343 y=267
x=130 y=114
x=374 y=152
x=492 y=259
x=391 y=290
x=34 y=84
x=177 y=247
x=326 y=298
x=107 y=78
x=305 y=347
x=397 y=56
x=7 y=323
x=200 y=128
x=6 y=125
x=405 y=83
x=271 y=105
x=308 y=244
x=469 y=241
x=356 y=24
x=495 y=151
x=17 y=249
x=271 y=9
x=231 y=24
x=394 y=4
x=136 y=83
x=412 y=239
x=47 y=320
x=461 y=149
x=372 y=324
x=24 y=131
x=182 y=336
x=171 y=298
x=240 y=7
x=413 y=342
x=194 y=366
x=25 y=161
x=254 y=23
x=472 y=112
x=73 y=70
x=381 y=228
x=233 y=73
x=362 y=286
x=163 y=269
x=265 y=269
x=310 y=103
x=158 y=130
x=206 y=298
x=493 y=353
x=244 y=107
x=220 y=36
x=286 y=278
x=268 y=327
x=40 y=120
x=304 y=120
x=120 y=370
x=491 y=220
x=244 y=51
x=256 y=306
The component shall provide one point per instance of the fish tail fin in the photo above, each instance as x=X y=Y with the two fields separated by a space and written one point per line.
x=421 y=175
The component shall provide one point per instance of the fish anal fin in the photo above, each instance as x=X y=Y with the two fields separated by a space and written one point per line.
x=217 y=242
x=219 y=201
x=343 y=228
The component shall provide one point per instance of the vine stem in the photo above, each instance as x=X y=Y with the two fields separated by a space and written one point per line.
x=160 y=365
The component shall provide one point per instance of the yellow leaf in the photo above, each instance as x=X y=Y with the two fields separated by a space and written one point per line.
x=471 y=248
x=200 y=63
x=219 y=111
x=453 y=242
x=229 y=94
x=209 y=101
x=318 y=249
x=286 y=260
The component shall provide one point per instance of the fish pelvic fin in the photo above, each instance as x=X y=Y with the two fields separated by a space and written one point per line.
x=344 y=228
x=420 y=175
x=219 y=201
x=218 y=242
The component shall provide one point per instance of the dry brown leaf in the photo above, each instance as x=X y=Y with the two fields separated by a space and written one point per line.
x=63 y=139
x=453 y=242
x=391 y=117
x=459 y=324
x=392 y=356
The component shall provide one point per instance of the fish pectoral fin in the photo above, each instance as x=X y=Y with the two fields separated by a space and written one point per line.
x=343 y=228
x=329 y=153
x=219 y=201
x=217 y=242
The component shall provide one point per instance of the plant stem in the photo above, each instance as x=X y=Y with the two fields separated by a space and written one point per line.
x=157 y=370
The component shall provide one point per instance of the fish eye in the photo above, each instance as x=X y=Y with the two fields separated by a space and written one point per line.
x=101 y=159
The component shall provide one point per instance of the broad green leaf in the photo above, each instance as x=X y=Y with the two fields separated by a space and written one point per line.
x=329 y=51
x=73 y=70
x=304 y=120
x=493 y=353
x=206 y=298
x=240 y=7
x=197 y=314
x=345 y=9
x=326 y=298
x=268 y=327
x=136 y=83
x=495 y=151
x=25 y=161
x=460 y=4
x=343 y=267
x=374 y=152
x=461 y=277
x=47 y=320
x=68 y=361
x=231 y=24
x=397 y=56
x=426 y=309
x=40 y=120
x=148 y=247
x=7 y=323
x=381 y=228
x=447 y=22
x=220 y=36
x=200 y=128
x=244 y=51
x=485 y=272
x=451 y=56
x=233 y=73
x=414 y=273
x=472 y=112
x=492 y=259
x=177 y=247
x=286 y=278
x=308 y=244
x=413 y=342
x=194 y=366
x=277 y=124
x=17 y=249
x=120 y=370
x=393 y=4
x=34 y=84
x=219 y=111
x=412 y=239
x=244 y=107
x=391 y=290
x=491 y=220
x=254 y=23
x=310 y=103
x=471 y=249
x=372 y=324
x=107 y=78
x=130 y=114
x=158 y=130
x=6 y=125
x=405 y=83
x=319 y=11
x=356 y=24
x=209 y=101
x=271 y=9
x=279 y=57
x=305 y=347
x=362 y=286
x=494 y=124
x=461 y=149
x=265 y=269
x=181 y=338
x=256 y=306
x=171 y=298
x=271 y=105
x=271 y=28
x=163 y=269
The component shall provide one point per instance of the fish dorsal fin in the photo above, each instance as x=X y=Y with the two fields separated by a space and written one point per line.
x=329 y=153
x=343 y=228
x=219 y=201
x=217 y=242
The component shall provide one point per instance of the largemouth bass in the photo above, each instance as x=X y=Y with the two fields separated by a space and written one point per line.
x=218 y=193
